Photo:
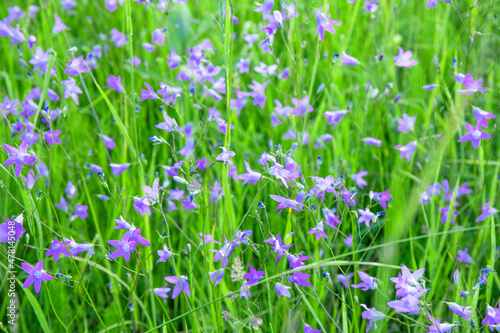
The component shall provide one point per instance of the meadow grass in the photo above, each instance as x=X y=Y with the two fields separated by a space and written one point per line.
x=98 y=294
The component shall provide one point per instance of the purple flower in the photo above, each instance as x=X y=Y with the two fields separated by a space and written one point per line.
x=71 y=89
x=36 y=275
x=487 y=212
x=480 y=115
x=173 y=60
x=445 y=212
x=265 y=8
x=382 y=198
x=225 y=252
x=56 y=249
x=348 y=241
x=181 y=284
x=407 y=282
x=162 y=292
x=406 y=123
x=108 y=142
x=114 y=82
x=164 y=254
x=318 y=231
x=408 y=304
x=153 y=193
x=134 y=235
x=245 y=290
x=367 y=283
x=324 y=24
x=365 y=216
x=474 y=134
x=217 y=192
x=118 y=169
x=347 y=60
x=282 y=290
x=169 y=125
x=225 y=156
x=148 y=94
x=296 y=204
x=330 y=218
x=8 y=106
x=277 y=246
x=373 y=142
x=404 y=59
x=52 y=137
x=472 y=86
x=123 y=247
x=372 y=315
x=250 y=176
x=58 y=25
x=296 y=262
x=81 y=211
x=371 y=6
x=118 y=38
x=345 y=280
x=432 y=3
x=12 y=229
x=216 y=276
x=300 y=279
x=158 y=37
x=464 y=257
x=254 y=276
x=301 y=106
x=462 y=311
x=307 y=328
x=18 y=157
x=258 y=93
x=437 y=326
x=76 y=66
x=358 y=178
x=429 y=87
x=492 y=317
x=407 y=150
x=142 y=204
x=122 y=224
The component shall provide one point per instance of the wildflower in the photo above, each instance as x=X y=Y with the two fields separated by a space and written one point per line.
x=382 y=198
x=407 y=150
x=487 y=212
x=318 y=231
x=108 y=142
x=464 y=257
x=164 y=254
x=181 y=284
x=462 y=311
x=153 y=192
x=217 y=276
x=406 y=123
x=373 y=142
x=407 y=282
x=52 y=137
x=18 y=157
x=372 y=315
x=309 y=329
x=480 y=115
x=124 y=247
x=296 y=204
x=81 y=211
x=429 y=87
x=474 y=134
x=330 y=218
x=56 y=249
x=162 y=292
x=404 y=59
x=71 y=89
x=282 y=290
x=300 y=279
x=217 y=192
x=432 y=3
x=408 y=304
x=492 y=317
x=245 y=290
x=225 y=156
x=36 y=275
x=8 y=106
x=12 y=229
x=472 y=86
x=254 y=276
x=366 y=216
x=250 y=176
x=120 y=39
x=367 y=283
x=76 y=66
x=301 y=106
x=189 y=204
x=135 y=236
x=347 y=60
x=358 y=178
x=142 y=204
x=148 y=94
x=265 y=8
x=277 y=246
x=445 y=212
x=225 y=252
x=296 y=262
x=348 y=241
x=258 y=93
x=437 y=326
x=118 y=169
x=58 y=25
x=324 y=24
x=345 y=280
x=114 y=82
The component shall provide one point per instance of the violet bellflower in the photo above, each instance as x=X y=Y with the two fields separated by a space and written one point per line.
x=372 y=315
x=18 y=157
x=123 y=247
x=181 y=284
x=367 y=282
x=35 y=275
x=474 y=134
x=324 y=24
x=253 y=276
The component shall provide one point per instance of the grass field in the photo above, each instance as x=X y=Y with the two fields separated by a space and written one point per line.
x=375 y=165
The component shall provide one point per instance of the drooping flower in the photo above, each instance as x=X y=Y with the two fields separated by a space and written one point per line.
x=366 y=216
x=464 y=256
x=217 y=276
x=474 y=134
x=407 y=150
x=118 y=169
x=36 y=275
x=296 y=204
x=309 y=329
x=324 y=24
x=481 y=116
x=347 y=60
x=173 y=60
x=114 y=82
x=282 y=290
x=404 y=59
x=487 y=212
x=373 y=142
x=372 y=315
x=58 y=25
x=71 y=89
x=367 y=282
x=300 y=279
x=432 y=3
x=437 y=326
x=164 y=254
x=462 y=311
x=225 y=156
x=162 y=292
x=358 y=178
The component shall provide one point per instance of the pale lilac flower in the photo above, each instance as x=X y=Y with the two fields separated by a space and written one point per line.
x=250 y=176
x=18 y=157
x=243 y=65
x=164 y=254
x=40 y=60
x=437 y=326
x=76 y=66
x=216 y=276
x=173 y=60
x=429 y=87
x=282 y=290
x=445 y=212
x=258 y=93
x=432 y=3
x=404 y=59
x=372 y=315
x=71 y=89
x=373 y=142
x=366 y=216
x=162 y=292
x=492 y=317
x=158 y=37
x=367 y=282
x=58 y=25
x=371 y=5
x=30 y=179
x=52 y=137
x=114 y=82
x=181 y=284
x=251 y=39
x=153 y=192
x=283 y=203
x=480 y=115
x=123 y=247
x=382 y=198
x=474 y=134
x=319 y=231
x=309 y=329
x=472 y=86
x=254 y=276
x=330 y=218
x=225 y=252
x=57 y=249
x=408 y=304
x=277 y=246
x=406 y=123
x=225 y=156
x=8 y=106
x=463 y=256
x=245 y=290
x=217 y=192
x=334 y=117
x=169 y=125
x=358 y=178
x=347 y=60
x=108 y=142
x=345 y=280
x=407 y=150
x=119 y=38
x=148 y=94
x=142 y=204
x=36 y=275
x=121 y=224
x=324 y=24
x=81 y=211
x=348 y=241
x=118 y=169
x=300 y=279
x=487 y=212
x=462 y=311
x=301 y=106
x=265 y=8
x=12 y=229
